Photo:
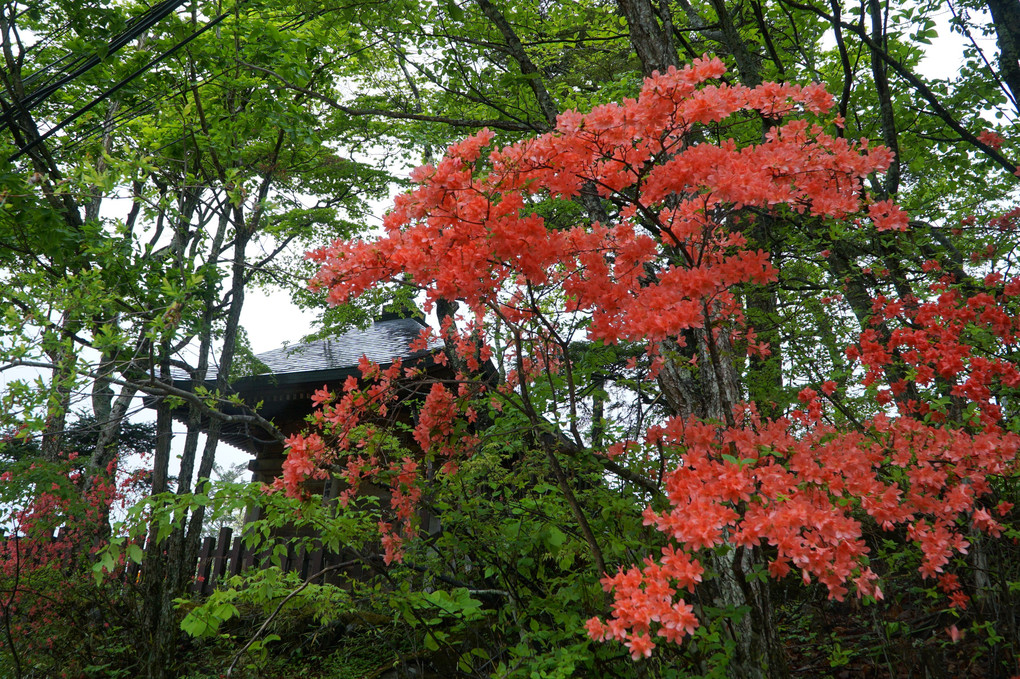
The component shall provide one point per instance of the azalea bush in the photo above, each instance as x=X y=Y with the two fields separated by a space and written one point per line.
x=626 y=235
x=56 y=618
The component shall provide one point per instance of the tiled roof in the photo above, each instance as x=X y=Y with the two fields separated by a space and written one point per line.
x=285 y=390
x=381 y=342
x=385 y=340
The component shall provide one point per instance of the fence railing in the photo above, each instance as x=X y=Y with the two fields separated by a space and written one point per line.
x=221 y=557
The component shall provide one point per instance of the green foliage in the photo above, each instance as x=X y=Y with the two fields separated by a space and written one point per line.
x=79 y=437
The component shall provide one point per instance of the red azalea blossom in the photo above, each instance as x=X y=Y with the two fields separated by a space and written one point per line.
x=993 y=139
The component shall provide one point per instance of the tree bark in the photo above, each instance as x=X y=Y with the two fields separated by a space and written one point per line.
x=1006 y=19
x=757 y=650
x=879 y=72
x=651 y=41
x=702 y=380
x=709 y=390
x=545 y=101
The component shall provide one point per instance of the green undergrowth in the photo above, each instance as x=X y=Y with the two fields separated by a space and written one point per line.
x=298 y=643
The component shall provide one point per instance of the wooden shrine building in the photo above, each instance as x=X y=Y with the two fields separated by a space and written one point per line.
x=294 y=372
x=284 y=388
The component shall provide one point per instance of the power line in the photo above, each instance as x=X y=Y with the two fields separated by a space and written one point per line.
x=139 y=109
x=135 y=28
x=85 y=109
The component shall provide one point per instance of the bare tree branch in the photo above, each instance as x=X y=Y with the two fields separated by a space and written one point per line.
x=397 y=115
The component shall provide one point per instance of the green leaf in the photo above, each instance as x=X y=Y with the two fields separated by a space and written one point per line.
x=134 y=553
x=430 y=642
x=454 y=10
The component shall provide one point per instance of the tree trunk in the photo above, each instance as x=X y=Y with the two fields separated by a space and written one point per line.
x=59 y=402
x=652 y=42
x=1006 y=19
x=170 y=568
x=708 y=390
x=154 y=581
x=757 y=650
x=709 y=387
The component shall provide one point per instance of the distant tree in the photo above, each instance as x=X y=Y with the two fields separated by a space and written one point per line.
x=236 y=473
x=80 y=436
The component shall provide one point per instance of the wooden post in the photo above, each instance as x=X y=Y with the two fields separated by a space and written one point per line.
x=219 y=567
x=237 y=555
x=204 y=566
x=301 y=562
x=249 y=559
x=315 y=561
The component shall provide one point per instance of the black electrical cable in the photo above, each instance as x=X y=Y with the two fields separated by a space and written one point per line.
x=107 y=126
x=32 y=77
x=52 y=35
x=138 y=26
x=82 y=111
x=141 y=108
x=134 y=29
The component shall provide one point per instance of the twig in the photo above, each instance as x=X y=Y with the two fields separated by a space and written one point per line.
x=272 y=616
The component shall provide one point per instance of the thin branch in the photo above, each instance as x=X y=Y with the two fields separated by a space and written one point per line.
x=272 y=616
x=397 y=115
x=545 y=101
x=919 y=85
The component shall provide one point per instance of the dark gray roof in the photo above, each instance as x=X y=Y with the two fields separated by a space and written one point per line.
x=381 y=342
x=285 y=390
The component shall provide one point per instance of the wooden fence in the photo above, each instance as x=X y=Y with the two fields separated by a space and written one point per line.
x=225 y=555
x=220 y=558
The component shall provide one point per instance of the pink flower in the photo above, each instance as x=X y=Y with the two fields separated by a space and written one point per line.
x=989 y=138
x=640 y=646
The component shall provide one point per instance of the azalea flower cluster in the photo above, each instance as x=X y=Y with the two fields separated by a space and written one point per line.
x=800 y=487
x=51 y=533
x=666 y=261
x=803 y=494
x=352 y=420
x=476 y=236
x=936 y=341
